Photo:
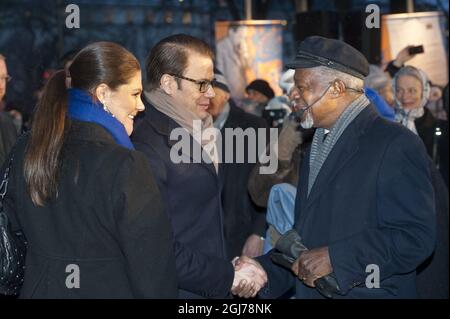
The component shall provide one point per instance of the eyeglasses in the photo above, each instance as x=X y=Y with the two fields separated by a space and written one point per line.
x=204 y=85
x=6 y=78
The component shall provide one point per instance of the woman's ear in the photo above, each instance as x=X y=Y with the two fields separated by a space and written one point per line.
x=101 y=92
x=167 y=83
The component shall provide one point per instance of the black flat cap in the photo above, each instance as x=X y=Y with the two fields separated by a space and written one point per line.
x=262 y=86
x=316 y=51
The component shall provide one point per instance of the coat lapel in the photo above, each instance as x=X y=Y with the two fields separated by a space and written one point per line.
x=209 y=166
x=302 y=189
x=340 y=155
x=346 y=147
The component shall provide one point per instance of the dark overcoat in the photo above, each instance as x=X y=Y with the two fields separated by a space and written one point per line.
x=107 y=226
x=372 y=205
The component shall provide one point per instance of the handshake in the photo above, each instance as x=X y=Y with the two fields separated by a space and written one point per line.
x=313 y=267
x=249 y=277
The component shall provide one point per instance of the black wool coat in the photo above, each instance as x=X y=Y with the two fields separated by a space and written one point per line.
x=372 y=205
x=192 y=195
x=107 y=222
x=8 y=135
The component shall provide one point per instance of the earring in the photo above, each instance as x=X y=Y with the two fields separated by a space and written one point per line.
x=106 y=109
x=104 y=106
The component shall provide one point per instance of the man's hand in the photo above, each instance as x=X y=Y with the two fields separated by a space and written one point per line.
x=249 y=277
x=253 y=246
x=313 y=264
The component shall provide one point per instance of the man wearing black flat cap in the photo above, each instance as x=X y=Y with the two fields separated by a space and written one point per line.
x=365 y=201
x=259 y=93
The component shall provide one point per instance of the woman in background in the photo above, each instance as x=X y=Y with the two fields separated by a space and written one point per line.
x=412 y=91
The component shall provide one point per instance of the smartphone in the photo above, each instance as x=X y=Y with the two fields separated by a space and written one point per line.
x=416 y=50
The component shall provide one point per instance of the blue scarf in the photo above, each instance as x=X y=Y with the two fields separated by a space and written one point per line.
x=82 y=107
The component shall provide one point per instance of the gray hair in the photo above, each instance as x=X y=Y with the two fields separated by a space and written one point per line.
x=350 y=81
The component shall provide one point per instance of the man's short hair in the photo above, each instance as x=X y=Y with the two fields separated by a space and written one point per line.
x=349 y=80
x=170 y=56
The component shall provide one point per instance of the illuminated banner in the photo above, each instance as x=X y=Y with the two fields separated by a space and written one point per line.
x=421 y=28
x=247 y=50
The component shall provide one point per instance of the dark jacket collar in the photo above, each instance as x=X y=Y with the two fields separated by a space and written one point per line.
x=86 y=131
x=364 y=120
x=346 y=147
x=161 y=123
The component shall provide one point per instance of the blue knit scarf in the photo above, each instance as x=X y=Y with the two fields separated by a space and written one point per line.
x=82 y=107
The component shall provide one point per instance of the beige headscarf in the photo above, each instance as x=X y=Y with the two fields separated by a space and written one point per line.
x=185 y=118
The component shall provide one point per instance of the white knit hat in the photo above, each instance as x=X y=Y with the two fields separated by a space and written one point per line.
x=287 y=81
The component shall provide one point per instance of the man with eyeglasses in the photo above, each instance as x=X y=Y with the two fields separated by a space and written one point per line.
x=177 y=95
x=8 y=132
x=365 y=201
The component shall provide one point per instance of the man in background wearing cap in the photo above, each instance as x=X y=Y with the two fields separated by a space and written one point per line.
x=244 y=222
x=259 y=93
x=364 y=203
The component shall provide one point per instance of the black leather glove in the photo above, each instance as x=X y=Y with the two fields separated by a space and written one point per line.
x=288 y=249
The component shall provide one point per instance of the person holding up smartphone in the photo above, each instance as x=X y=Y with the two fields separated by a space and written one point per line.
x=406 y=54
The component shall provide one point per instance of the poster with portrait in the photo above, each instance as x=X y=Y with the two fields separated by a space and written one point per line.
x=421 y=28
x=249 y=50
